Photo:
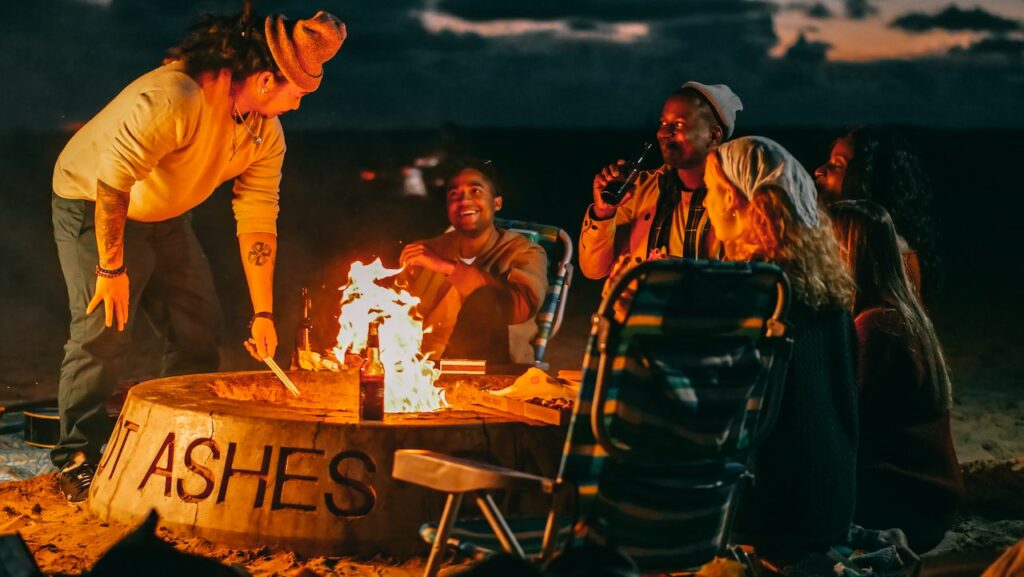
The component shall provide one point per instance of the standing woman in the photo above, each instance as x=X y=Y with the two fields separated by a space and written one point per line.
x=908 y=474
x=763 y=206
x=124 y=187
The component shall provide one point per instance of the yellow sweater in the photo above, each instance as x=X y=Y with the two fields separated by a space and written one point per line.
x=171 y=143
x=509 y=262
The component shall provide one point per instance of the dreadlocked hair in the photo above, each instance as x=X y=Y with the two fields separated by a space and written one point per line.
x=216 y=42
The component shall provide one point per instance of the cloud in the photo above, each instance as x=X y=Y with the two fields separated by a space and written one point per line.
x=815 y=10
x=584 y=25
x=804 y=50
x=818 y=10
x=954 y=18
x=1010 y=49
x=397 y=71
x=603 y=10
x=859 y=9
x=853 y=9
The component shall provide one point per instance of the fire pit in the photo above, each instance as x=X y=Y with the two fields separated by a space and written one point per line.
x=234 y=458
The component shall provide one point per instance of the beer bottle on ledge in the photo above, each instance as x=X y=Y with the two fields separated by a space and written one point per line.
x=371 y=379
x=303 y=331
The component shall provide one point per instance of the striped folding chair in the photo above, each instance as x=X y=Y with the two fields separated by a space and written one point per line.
x=559 y=247
x=681 y=381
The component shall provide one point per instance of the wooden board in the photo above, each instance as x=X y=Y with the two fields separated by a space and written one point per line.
x=517 y=408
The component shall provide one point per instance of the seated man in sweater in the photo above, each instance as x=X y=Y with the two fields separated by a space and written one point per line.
x=476 y=279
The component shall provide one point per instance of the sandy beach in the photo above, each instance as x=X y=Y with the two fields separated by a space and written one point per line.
x=988 y=424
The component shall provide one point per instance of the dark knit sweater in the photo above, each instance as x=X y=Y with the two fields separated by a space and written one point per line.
x=803 y=494
x=908 y=474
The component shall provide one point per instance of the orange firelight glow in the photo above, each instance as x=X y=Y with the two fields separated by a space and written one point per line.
x=408 y=376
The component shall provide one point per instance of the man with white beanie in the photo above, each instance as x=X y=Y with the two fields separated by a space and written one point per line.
x=664 y=215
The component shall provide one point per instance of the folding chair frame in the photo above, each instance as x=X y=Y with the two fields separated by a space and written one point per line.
x=458 y=477
x=563 y=269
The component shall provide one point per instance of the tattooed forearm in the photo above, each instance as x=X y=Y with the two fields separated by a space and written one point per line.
x=260 y=253
x=111 y=215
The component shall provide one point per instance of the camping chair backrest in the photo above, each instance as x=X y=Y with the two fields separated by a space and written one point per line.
x=684 y=362
x=559 y=247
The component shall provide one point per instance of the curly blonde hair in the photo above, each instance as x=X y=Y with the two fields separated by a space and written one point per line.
x=809 y=255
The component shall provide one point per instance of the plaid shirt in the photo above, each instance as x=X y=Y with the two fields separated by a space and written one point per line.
x=670 y=195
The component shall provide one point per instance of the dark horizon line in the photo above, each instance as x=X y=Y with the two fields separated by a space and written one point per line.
x=740 y=131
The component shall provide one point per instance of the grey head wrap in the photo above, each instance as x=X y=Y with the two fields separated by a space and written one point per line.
x=751 y=162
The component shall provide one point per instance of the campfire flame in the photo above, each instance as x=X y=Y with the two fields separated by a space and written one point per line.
x=408 y=376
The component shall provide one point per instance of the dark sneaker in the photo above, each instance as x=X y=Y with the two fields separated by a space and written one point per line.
x=76 y=478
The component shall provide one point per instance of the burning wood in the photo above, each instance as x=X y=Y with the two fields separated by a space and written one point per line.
x=408 y=376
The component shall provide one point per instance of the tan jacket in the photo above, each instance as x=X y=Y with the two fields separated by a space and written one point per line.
x=170 y=143
x=509 y=262
x=620 y=242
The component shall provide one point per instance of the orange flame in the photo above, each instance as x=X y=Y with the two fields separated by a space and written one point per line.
x=408 y=376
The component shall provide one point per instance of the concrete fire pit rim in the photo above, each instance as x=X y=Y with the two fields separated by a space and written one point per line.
x=195 y=393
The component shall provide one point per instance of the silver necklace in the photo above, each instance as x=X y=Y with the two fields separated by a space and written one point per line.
x=237 y=118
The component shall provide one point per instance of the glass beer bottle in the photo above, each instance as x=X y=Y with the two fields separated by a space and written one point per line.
x=303 y=332
x=617 y=188
x=371 y=380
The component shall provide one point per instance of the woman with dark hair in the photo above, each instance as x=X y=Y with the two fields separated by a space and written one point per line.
x=908 y=475
x=880 y=165
x=763 y=206
x=124 y=187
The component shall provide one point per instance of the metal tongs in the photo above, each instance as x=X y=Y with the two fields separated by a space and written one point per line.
x=269 y=361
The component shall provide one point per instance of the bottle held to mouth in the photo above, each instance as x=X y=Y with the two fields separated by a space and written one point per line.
x=620 y=186
x=371 y=380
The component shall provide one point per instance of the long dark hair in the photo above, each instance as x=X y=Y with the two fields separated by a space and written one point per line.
x=867 y=239
x=218 y=42
x=884 y=168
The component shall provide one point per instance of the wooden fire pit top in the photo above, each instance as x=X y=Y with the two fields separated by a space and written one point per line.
x=327 y=396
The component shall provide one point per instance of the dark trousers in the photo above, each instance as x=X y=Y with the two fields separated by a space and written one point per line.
x=481 y=331
x=170 y=280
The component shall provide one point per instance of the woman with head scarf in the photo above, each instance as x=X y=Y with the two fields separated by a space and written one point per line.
x=908 y=475
x=763 y=206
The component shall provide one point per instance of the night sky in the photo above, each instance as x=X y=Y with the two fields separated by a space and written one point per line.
x=570 y=63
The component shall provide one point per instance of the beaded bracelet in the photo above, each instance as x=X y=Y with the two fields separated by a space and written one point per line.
x=261 y=315
x=110 y=273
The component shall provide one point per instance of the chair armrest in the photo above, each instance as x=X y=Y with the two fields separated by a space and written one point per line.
x=454 y=475
x=556 y=323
